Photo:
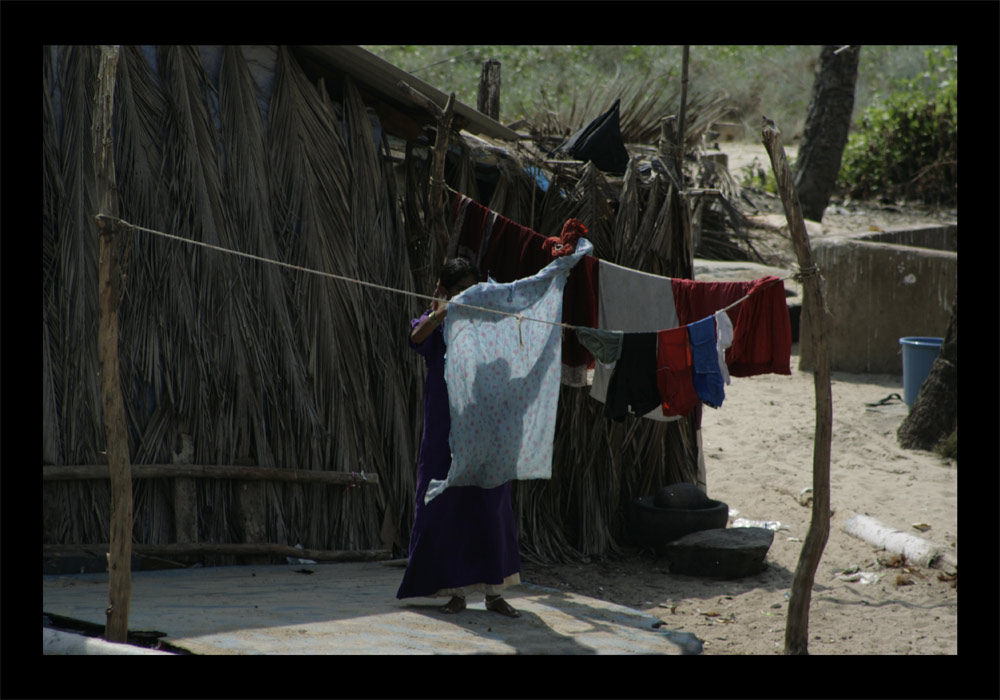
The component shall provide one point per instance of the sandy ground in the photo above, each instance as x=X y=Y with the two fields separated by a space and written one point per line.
x=758 y=449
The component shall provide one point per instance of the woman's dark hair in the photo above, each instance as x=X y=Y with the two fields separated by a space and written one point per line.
x=455 y=270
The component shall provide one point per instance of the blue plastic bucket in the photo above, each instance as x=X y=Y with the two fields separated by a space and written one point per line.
x=918 y=358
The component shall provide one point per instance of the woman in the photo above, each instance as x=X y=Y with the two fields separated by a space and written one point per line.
x=464 y=540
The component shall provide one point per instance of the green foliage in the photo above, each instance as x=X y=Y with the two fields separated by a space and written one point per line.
x=907 y=144
x=948 y=447
x=772 y=80
x=759 y=176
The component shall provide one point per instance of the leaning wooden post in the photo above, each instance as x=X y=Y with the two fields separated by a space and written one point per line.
x=437 y=193
x=683 y=113
x=797 y=626
x=109 y=282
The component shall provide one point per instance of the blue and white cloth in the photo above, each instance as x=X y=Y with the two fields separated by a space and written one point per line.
x=503 y=378
x=706 y=377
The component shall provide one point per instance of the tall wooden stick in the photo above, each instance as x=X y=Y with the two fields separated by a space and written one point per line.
x=109 y=282
x=438 y=196
x=683 y=113
x=797 y=627
x=488 y=97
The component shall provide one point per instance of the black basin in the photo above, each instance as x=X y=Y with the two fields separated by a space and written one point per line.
x=654 y=527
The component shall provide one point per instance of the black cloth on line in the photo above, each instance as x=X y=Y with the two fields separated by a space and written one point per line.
x=633 y=382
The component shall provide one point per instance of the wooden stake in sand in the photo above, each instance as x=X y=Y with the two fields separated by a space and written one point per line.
x=109 y=283
x=797 y=627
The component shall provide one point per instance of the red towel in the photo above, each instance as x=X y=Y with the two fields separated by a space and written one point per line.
x=674 y=373
x=762 y=330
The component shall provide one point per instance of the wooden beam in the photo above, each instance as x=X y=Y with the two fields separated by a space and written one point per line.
x=383 y=77
x=797 y=627
x=419 y=98
x=109 y=282
x=196 y=548
x=211 y=471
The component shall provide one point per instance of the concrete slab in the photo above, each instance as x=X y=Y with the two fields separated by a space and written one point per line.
x=351 y=608
x=743 y=271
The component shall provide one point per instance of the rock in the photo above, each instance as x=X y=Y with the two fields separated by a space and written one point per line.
x=681 y=496
x=720 y=553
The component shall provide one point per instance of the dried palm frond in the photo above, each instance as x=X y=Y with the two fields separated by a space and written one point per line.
x=600 y=466
x=280 y=367
x=514 y=189
x=461 y=174
x=643 y=105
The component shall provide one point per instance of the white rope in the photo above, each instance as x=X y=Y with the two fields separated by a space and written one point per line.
x=341 y=278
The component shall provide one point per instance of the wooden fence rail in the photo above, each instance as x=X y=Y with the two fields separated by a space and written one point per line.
x=194 y=548
x=211 y=471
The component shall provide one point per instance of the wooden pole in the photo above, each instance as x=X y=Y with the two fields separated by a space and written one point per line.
x=109 y=282
x=437 y=193
x=797 y=627
x=683 y=114
x=488 y=99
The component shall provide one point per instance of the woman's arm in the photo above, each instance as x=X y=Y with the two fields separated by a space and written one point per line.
x=423 y=329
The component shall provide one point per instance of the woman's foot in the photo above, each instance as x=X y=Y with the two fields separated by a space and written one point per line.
x=456 y=604
x=498 y=604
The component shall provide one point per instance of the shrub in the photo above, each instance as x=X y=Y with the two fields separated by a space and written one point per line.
x=907 y=144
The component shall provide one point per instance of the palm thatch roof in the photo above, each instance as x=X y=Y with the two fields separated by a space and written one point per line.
x=284 y=154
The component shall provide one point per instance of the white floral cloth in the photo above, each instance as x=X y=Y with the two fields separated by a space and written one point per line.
x=503 y=378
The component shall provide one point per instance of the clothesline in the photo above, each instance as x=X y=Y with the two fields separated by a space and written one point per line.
x=373 y=285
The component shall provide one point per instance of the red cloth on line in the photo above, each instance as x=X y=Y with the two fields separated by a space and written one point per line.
x=510 y=252
x=762 y=330
x=565 y=242
x=674 y=372
x=471 y=221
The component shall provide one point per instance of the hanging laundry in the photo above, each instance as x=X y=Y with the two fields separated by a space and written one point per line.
x=502 y=375
x=631 y=301
x=600 y=142
x=632 y=388
x=707 y=379
x=674 y=372
x=762 y=330
x=507 y=251
x=723 y=339
x=605 y=346
x=469 y=228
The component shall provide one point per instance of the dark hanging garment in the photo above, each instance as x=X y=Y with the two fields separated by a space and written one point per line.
x=600 y=142
x=633 y=388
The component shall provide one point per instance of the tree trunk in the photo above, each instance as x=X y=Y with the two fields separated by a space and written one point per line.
x=827 y=124
x=935 y=412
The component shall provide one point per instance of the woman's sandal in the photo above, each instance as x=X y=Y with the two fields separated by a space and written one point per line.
x=501 y=606
x=454 y=605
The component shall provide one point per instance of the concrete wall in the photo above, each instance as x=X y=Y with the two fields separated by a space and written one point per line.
x=877 y=293
x=936 y=237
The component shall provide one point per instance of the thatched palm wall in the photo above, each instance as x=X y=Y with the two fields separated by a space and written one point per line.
x=599 y=465
x=258 y=364
x=254 y=364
